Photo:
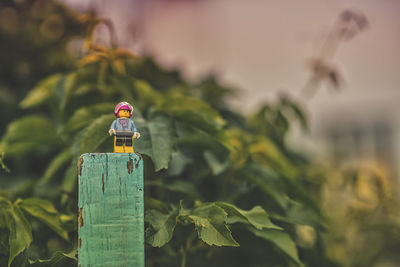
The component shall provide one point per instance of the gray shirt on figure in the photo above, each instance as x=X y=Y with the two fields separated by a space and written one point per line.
x=123 y=124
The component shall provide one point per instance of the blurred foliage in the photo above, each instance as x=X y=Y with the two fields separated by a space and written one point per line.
x=34 y=38
x=221 y=188
x=364 y=215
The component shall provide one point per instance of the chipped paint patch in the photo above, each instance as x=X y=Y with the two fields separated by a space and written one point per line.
x=80 y=219
x=80 y=166
x=102 y=183
x=129 y=165
x=79 y=242
x=137 y=161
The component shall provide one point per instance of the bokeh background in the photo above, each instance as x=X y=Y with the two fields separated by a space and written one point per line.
x=264 y=48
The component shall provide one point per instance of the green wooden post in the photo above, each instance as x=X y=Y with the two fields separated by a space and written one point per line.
x=110 y=220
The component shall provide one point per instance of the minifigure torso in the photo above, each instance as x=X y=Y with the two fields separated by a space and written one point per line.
x=123 y=124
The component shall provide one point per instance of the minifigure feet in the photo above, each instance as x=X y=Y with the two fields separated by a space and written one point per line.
x=119 y=149
x=129 y=149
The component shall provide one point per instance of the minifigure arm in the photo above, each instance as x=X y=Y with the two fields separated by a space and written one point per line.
x=133 y=127
x=136 y=134
x=112 y=128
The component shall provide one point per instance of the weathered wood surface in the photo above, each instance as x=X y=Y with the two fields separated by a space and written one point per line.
x=111 y=220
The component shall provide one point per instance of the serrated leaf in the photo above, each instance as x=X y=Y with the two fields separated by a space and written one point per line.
x=56 y=260
x=157 y=139
x=161 y=226
x=280 y=239
x=41 y=92
x=20 y=231
x=58 y=162
x=85 y=115
x=44 y=211
x=257 y=216
x=210 y=224
x=29 y=133
x=96 y=133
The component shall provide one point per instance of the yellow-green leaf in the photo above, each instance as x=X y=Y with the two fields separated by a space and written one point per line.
x=41 y=92
x=44 y=211
x=20 y=231
x=30 y=133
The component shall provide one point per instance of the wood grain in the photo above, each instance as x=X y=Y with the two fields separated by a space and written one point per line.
x=111 y=211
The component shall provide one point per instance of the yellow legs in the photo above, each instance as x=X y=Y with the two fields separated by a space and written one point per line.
x=123 y=144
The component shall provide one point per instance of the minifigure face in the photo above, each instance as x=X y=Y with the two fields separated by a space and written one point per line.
x=123 y=113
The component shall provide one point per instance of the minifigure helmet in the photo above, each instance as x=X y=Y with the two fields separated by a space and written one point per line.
x=123 y=105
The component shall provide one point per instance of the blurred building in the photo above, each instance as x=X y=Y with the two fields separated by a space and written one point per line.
x=262 y=47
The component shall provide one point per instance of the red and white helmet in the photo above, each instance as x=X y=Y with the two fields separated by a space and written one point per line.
x=123 y=105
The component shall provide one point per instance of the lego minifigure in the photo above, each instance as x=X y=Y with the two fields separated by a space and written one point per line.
x=123 y=128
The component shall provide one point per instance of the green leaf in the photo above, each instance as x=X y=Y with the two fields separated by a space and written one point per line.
x=281 y=240
x=161 y=226
x=69 y=182
x=178 y=163
x=153 y=203
x=257 y=216
x=196 y=140
x=156 y=140
x=267 y=181
x=58 y=162
x=20 y=231
x=2 y=164
x=180 y=186
x=193 y=112
x=298 y=213
x=266 y=152
x=217 y=165
x=44 y=211
x=85 y=115
x=297 y=111
x=147 y=97
x=30 y=133
x=96 y=133
x=58 y=259
x=210 y=224
x=41 y=92
x=64 y=89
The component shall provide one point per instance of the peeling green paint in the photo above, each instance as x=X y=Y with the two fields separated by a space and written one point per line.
x=111 y=228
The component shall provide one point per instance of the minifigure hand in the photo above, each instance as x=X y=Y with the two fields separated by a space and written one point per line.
x=111 y=131
x=136 y=135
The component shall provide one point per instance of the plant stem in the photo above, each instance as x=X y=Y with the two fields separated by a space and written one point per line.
x=183 y=261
